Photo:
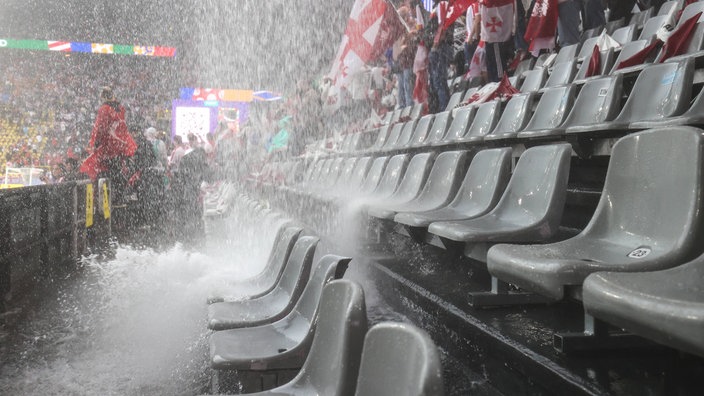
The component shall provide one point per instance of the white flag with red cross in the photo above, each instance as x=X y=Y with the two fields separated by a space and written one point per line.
x=497 y=20
x=373 y=27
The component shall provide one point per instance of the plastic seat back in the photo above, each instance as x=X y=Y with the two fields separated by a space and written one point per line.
x=357 y=177
x=460 y=124
x=332 y=365
x=392 y=176
x=668 y=7
x=639 y=19
x=437 y=131
x=652 y=26
x=537 y=190
x=660 y=91
x=443 y=181
x=562 y=73
x=455 y=99
x=552 y=108
x=393 y=136
x=625 y=34
x=534 y=79
x=692 y=10
x=406 y=111
x=395 y=116
x=606 y=61
x=373 y=176
x=421 y=131
x=658 y=172
x=484 y=182
x=399 y=359
x=627 y=51
x=414 y=178
x=587 y=48
x=485 y=120
x=381 y=136
x=406 y=133
x=417 y=111
x=298 y=267
x=612 y=26
x=284 y=241
x=328 y=268
x=566 y=54
x=598 y=101
x=346 y=170
x=516 y=114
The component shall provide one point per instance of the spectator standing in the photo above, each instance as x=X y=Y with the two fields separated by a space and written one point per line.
x=496 y=18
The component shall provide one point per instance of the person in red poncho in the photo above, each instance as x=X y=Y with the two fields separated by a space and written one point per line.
x=110 y=143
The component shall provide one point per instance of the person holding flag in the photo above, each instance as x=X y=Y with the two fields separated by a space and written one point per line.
x=497 y=21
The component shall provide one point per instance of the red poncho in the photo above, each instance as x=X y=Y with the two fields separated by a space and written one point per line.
x=109 y=139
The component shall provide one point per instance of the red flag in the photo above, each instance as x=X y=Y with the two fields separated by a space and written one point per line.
x=373 y=27
x=678 y=41
x=594 y=66
x=542 y=23
x=640 y=57
x=457 y=9
x=503 y=89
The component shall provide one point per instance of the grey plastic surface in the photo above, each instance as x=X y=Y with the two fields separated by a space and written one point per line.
x=454 y=100
x=534 y=79
x=406 y=133
x=627 y=51
x=381 y=136
x=563 y=73
x=666 y=306
x=394 y=134
x=481 y=189
x=550 y=113
x=668 y=6
x=421 y=131
x=598 y=103
x=690 y=11
x=612 y=26
x=624 y=35
x=652 y=26
x=693 y=116
x=694 y=45
x=389 y=182
x=441 y=186
x=373 y=176
x=459 y=126
x=283 y=344
x=439 y=128
x=351 y=183
x=566 y=54
x=660 y=91
x=332 y=365
x=265 y=281
x=530 y=208
x=406 y=111
x=417 y=111
x=399 y=359
x=274 y=305
x=648 y=217
x=485 y=119
x=606 y=62
x=587 y=48
x=639 y=19
x=514 y=118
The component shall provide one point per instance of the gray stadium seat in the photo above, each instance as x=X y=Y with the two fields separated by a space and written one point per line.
x=694 y=45
x=441 y=186
x=410 y=185
x=332 y=365
x=624 y=35
x=421 y=131
x=563 y=73
x=587 y=48
x=612 y=26
x=566 y=54
x=282 y=344
x=692 y=10
x=606 y=63
x=481 y=189
x=265 y=281
x=371 y=181
x=437 y=131
x=598 y=102
x=652 y=26
x=534 y=79
x=458 y=128
x=399 y=359
x=350 y=184
x=455 y=99
x=668 y=6
x=550 y=113
x=406 y=134
x=514 y=118
x=381 y=136
x=530 y=208
x=660 y=91
x=395 y=116
x=649 y=217
x=627 y=51
x=485 y=119
x=666 y=306
x=639 y=19
x=693 y=116
x=392 y=138
x=417 y=111
x=406 y=112
x=274 y=305
x=391 y=178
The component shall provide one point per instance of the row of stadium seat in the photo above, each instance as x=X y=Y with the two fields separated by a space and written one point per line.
x=294 y=316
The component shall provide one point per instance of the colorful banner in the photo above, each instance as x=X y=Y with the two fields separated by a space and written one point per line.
x=94 y=48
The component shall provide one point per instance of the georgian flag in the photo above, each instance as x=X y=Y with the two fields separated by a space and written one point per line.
x=542 y=26
x=59 y=46
x=373 y=27
x=497 y=20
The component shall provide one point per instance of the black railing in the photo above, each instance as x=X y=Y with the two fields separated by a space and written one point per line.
x=43 y=228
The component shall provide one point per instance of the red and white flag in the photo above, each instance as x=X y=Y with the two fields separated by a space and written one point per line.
x=457 y=9
x=373 y=27
x=542 y=26
x=497 y=20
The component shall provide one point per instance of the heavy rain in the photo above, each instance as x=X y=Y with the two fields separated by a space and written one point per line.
x=360 y=197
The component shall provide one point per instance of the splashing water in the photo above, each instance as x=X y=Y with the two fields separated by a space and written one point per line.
x=130 y=326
